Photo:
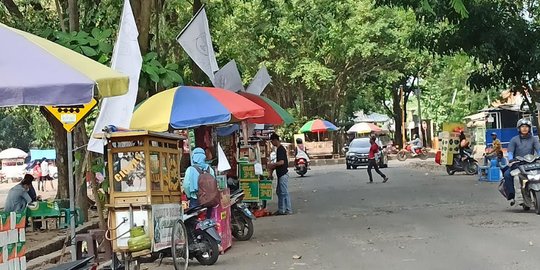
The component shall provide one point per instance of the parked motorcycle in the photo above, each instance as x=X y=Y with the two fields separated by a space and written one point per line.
x=526 y=172
x=403 y=154
x=202 y=236
x=241 y=217
x=300 y=166
x=469 y=165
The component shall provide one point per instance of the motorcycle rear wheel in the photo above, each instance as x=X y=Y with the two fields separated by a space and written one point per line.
x=245 y=228
x=210 y=255
x=471 y=168
x=449 y=170
x=402 y=155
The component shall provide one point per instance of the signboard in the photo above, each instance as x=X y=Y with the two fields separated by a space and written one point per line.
x=164 y=216
x=69 y=116
x=265 y=190
x=251 y=190
x=247 y=171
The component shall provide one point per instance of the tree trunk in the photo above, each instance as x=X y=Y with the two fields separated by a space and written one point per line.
x=396 y=107
x=80 y=139
x=60 y=15
x=13 y=8
x=95 y=192
x=73 y=11
x=60 y=143
x=142 y=12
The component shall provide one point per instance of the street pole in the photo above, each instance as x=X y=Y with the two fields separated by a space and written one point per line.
x=420 y=129
x=402 y=102
x=71 y=195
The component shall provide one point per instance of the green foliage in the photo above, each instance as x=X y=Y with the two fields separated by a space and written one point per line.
x=166 y=76
x=287 y=132
x=24 y=128
x=96 y=45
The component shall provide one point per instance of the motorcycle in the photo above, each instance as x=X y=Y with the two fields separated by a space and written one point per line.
x=241 y=217
x=203 y=238
x=301 y=162
x=301 y=166
x=526 y=171
x=403 y=154
x=469 y=165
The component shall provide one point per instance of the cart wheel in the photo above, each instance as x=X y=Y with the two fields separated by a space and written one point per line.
x=179 y=246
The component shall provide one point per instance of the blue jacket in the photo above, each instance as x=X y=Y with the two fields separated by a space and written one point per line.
x=191 y=179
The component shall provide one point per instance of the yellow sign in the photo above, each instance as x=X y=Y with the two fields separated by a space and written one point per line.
x=69 y=116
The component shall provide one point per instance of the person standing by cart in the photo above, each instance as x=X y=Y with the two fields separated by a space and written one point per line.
x=281 y=167
x=191 y=179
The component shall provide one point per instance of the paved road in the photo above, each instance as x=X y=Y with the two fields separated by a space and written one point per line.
x=418 y=220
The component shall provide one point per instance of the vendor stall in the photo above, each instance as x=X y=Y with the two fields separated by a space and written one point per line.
x=145 y=193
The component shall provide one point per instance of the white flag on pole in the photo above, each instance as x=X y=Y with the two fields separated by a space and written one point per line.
x=196 y=41
x=228 y=77
x=223 y=163
x=259 y=82
x=126 y=59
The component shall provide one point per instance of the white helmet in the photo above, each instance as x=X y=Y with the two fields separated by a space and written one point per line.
x=524 y=121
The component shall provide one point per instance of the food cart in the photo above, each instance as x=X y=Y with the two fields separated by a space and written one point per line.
x=145 y=196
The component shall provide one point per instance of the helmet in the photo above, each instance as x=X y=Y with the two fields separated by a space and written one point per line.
x=415 y=136
x=299 y=141
x=524 y=121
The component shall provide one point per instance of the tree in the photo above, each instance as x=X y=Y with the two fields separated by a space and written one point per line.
x=499 y=35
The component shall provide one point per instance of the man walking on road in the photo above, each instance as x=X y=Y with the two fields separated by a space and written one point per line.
x=280 y=166
x=372 y=160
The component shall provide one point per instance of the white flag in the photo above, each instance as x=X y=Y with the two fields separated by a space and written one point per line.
x=196 y=41
x=228 y=77
x=126 y=59
x=223 y=163
x=259 y=82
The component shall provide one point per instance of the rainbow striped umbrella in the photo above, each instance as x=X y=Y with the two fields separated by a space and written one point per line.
x=318 y=126
x=187 y=107
x=273 y=113
x=36 y=71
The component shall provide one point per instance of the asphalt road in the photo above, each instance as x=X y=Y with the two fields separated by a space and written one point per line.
x=420 y=219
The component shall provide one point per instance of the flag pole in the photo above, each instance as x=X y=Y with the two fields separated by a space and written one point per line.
x=191 y=21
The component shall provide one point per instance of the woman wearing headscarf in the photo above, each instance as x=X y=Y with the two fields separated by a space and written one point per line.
x=191 y=179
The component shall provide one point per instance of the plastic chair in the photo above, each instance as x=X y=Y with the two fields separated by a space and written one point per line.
x=65 y=213
x=90 y=244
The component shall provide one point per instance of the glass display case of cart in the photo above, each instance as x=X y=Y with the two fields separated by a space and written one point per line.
x=143 y=167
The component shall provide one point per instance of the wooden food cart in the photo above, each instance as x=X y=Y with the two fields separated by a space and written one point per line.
x=145 y=191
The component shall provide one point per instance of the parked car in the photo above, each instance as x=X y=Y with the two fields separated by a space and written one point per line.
x=358 y=151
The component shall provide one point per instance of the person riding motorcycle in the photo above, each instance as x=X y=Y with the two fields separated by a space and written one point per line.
x=301 y=151
x=521 y=145
x=416 y=144
x=463 y=146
